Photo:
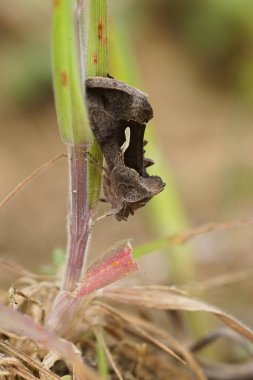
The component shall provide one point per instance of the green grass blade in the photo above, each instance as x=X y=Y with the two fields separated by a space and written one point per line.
x=165 y=211
x=70 y=107
x=101 y=355
x=96 y=66
x=151 y=246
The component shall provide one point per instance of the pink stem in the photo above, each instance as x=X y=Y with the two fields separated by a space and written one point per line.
x=78 y=237
x=79 y=216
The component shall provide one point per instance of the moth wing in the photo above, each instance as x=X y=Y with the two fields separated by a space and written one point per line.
x=124 y=101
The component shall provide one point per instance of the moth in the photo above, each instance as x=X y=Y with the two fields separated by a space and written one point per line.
x=118 y=115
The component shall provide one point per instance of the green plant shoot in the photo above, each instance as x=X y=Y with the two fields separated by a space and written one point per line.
x=69 y=97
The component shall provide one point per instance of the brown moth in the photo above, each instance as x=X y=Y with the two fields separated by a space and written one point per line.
x=118 y=115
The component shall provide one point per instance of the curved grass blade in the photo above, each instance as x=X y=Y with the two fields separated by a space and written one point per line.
x=165 y=298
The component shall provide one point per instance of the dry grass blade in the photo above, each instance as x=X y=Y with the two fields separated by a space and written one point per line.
x=157 y=343
x=26 y=359
x=229 y=371
x=183 y=237
x=23 y=325
x=15 y=368
x=113 y=364
x=221 y=333
x=4 y=373
x=132 y=322
x=219 y=281
x=167 y=300
x=29 y=178
x=20 y=271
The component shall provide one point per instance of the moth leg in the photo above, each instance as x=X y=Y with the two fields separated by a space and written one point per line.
x=109 y=213
x=124 y=146
x=97 y=164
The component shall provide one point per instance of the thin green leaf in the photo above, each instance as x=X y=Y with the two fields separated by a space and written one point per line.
x=69 y=98
x=96 y=66
x=102 y=362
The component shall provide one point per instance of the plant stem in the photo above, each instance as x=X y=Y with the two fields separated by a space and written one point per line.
x=96 y=66
x=79 y=215
x=65 y=306
x=83 y=175
x=85 y=178
x=68 y=89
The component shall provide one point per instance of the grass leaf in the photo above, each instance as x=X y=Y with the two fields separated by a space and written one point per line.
x=113 y=265
x=165 y=298
x=22 y=325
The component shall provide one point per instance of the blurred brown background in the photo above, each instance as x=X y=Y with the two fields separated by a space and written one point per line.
x=195 y=60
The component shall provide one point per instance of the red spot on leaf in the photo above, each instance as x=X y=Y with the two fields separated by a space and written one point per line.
x=100 y=30
x=64 y=78
x=95 y=58
x=56 y=3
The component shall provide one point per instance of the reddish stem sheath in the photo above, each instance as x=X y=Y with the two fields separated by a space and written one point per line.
x=79 y=215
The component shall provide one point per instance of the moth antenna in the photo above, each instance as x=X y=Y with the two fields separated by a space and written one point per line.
x=124 y=146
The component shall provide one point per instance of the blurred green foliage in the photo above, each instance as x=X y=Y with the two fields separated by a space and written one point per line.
x=165 y=214
x=237 y=187
x=219 y=34
x=58 y=261
x=29 y=81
